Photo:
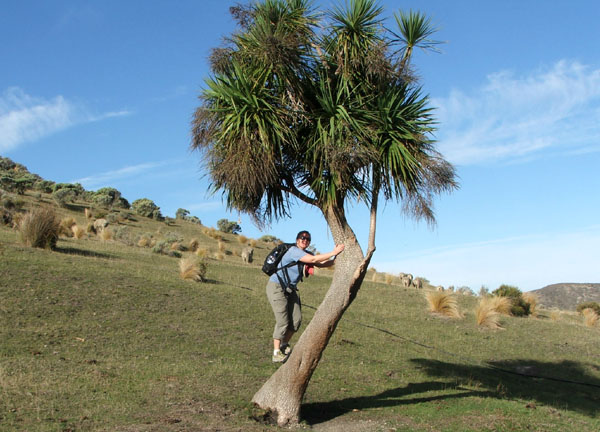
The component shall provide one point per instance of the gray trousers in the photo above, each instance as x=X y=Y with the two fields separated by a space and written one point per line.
x=287 y=310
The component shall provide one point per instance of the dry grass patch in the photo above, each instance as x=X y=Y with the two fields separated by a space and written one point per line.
x=389 y=278
x=202 y=252
x=443 y=303
x=194 y=244
x=65 y=226
x=501 y=304
x=486 y=314
x=242 y=239
x=40 y=228
x=144 y=241
x=78 y=232
x=192 y=269
x=532 y=300
x=590 y=317
x=219 y=256
x=106 y=234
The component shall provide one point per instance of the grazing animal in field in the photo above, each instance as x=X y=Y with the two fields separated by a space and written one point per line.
x=407 y=280
x=247 y=255
x=439 y=288
x=418 y=283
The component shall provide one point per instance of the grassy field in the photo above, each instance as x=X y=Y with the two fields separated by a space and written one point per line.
x=105 y=336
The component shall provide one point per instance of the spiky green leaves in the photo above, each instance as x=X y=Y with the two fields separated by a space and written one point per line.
x=322 y=117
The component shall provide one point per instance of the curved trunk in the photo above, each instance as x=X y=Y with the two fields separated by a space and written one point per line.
x=282 y=394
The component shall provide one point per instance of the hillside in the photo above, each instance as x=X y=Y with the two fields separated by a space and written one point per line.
x=103 y=334
x=566 y=296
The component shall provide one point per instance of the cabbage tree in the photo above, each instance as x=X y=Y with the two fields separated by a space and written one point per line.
x=321 y=108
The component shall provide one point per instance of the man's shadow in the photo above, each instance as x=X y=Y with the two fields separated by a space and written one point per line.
x=562 y=384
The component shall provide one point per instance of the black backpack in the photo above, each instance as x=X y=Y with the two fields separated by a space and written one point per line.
x=273 y=259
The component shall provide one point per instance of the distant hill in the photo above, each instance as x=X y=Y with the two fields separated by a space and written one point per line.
x=566 y=296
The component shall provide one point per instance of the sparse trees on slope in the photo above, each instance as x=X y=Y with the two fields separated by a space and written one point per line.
x=327 y=118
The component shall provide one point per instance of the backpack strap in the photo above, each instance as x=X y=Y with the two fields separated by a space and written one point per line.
x=285 y=280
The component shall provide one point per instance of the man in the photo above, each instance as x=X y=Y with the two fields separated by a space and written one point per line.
x=283 y=294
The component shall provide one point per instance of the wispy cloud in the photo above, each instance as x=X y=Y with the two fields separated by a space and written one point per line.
x=24 y=118
x=515 y=117
x=111 y=177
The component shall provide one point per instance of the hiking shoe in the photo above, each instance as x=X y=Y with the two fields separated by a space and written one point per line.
x=286 y=349
x=279 y=357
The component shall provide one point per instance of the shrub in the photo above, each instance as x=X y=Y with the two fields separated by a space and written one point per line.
x=269 y=239
x=164 y=248
x=229 y=227
x=589 y=305
x=242 y=239
x=486 y=314
x=63 y=196
x=590 y=317
x=40 y=228
x=519 y=306
x=443 y=303
x=182 y=214
x=147 y=208
x=109 y=197
x=124 y=235
x=191 y=269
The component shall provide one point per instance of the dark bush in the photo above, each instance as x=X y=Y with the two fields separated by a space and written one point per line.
x=519 y=306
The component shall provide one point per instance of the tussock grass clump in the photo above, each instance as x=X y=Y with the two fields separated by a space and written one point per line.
x=40 y=228
x=78 y=232
x=219 y=256
x=486 y=314
x=202 y=252
x=65 y=226
x=502 y=305
x=555 y=315
x=191 y=269
x=106 y=234
x=253 y=242
x=590 y=317
x=443 y=303
x=389 y=278
x=193 y=245
x=144 y=241
x=221 y=246
x=242 y=239
x=88 y=213
x=532 y=300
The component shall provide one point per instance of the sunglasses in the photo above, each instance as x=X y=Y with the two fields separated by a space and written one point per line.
x=305 y=238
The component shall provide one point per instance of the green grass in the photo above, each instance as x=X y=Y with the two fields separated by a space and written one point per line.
x=102 y=336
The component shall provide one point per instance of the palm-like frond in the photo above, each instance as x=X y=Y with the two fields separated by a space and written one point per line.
x=326 y=117
x=415 y=30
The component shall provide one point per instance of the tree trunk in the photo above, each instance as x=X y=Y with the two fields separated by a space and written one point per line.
x=282 y=394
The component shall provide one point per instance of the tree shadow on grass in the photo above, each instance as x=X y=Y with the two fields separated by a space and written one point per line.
x=83 y=252
x=548 y=383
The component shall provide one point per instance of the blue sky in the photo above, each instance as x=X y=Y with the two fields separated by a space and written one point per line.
x=102 y=92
